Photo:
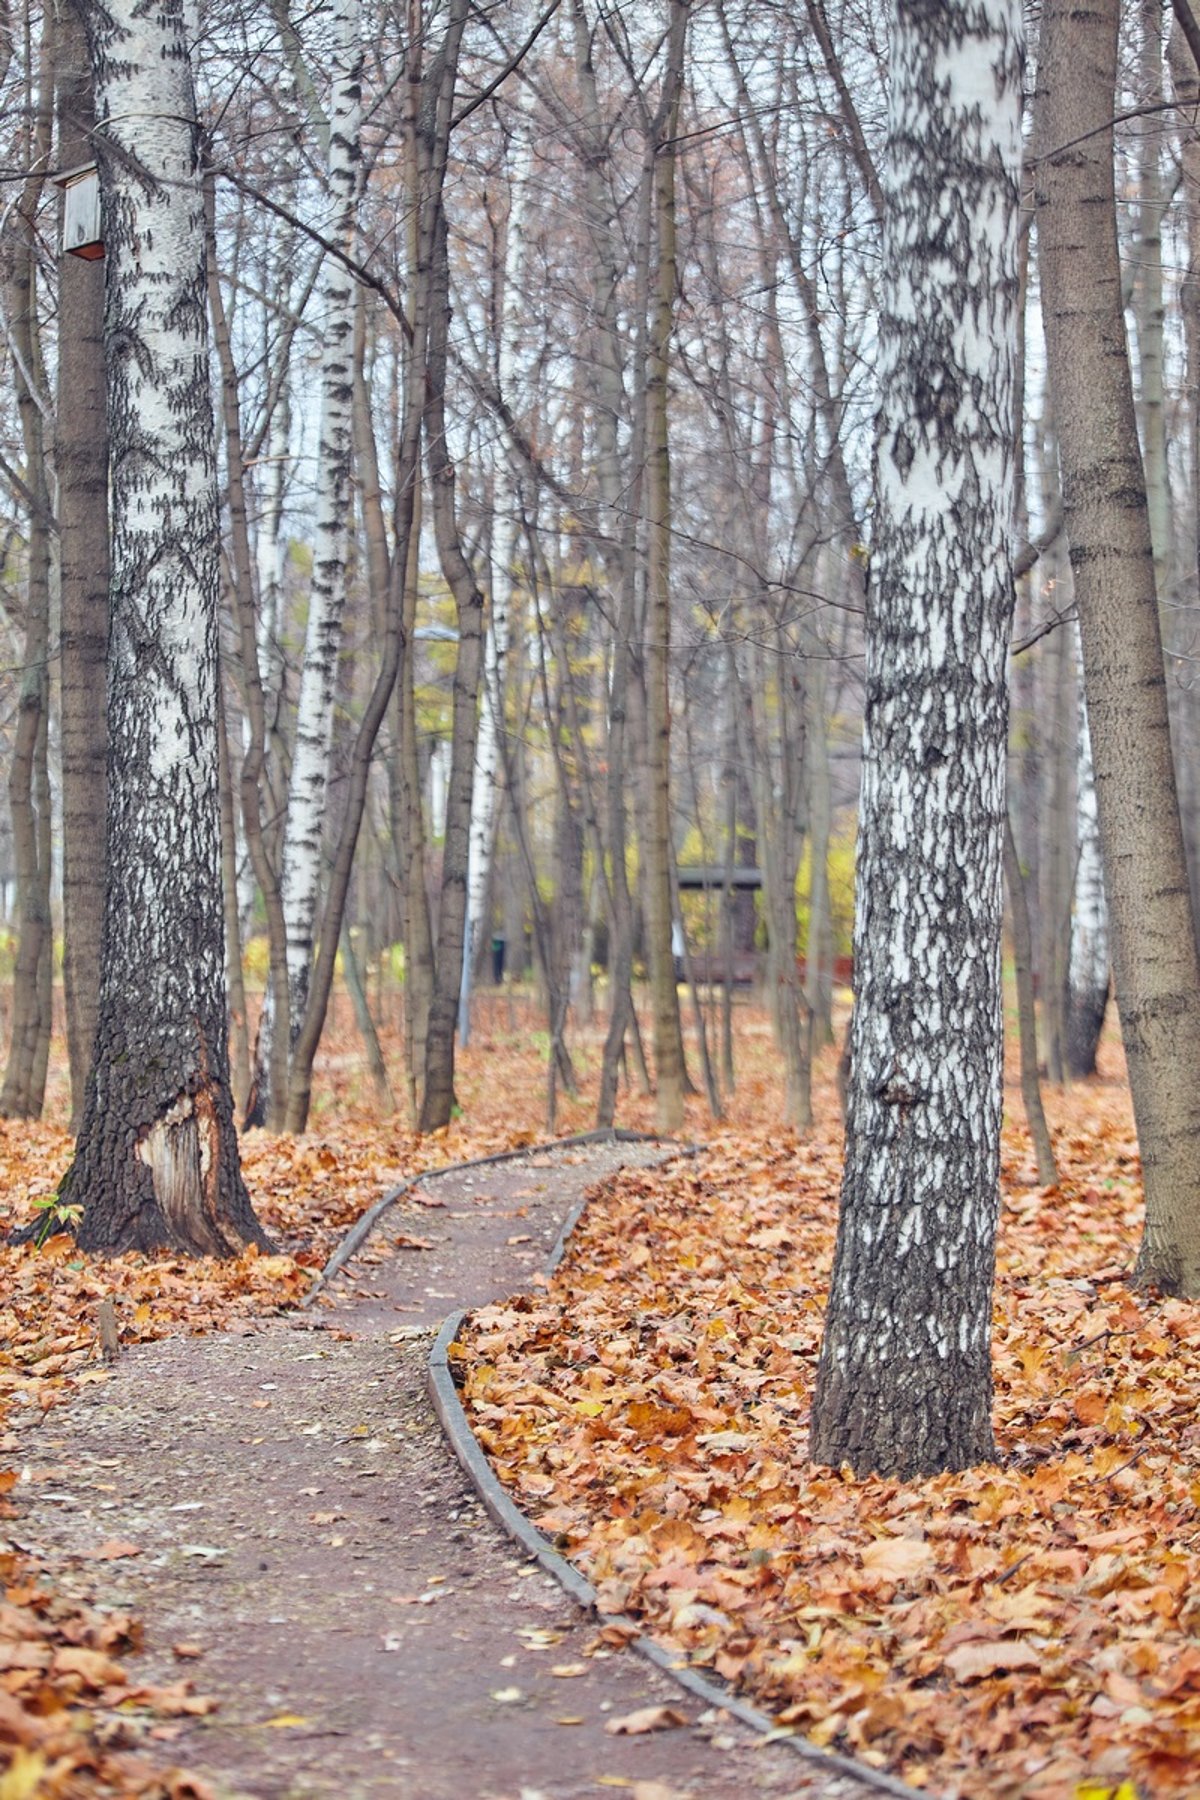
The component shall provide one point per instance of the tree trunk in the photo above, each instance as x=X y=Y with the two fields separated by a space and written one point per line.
x=1157 y=975
x=438 y=1101
x=385 y=1100
x=235 y=979
x=431 y=101
x=1022 y=939
x=28 y=781
x=1088 y=983
x=779 y=772
x=904 y=1381
x=334 y=508
x=1149 y=306
x=504 y=575
x=1058 y=767
x=818 y=978
x=658 y=850
x=157 y=1161
x=267 y=1089
x=81 y=467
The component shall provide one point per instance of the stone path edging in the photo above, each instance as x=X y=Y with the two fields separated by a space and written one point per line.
x=508 y=1516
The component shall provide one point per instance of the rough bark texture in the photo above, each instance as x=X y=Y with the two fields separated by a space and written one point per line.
x=904 y=1382
x=81 y=468
x=658 y=849
x=1149 y=303
x=1156 y=973
x=29 y=775
x=437 y=1103
x=157 y=1161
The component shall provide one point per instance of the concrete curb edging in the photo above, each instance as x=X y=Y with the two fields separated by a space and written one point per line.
x=363 y=1226
x=508 y=1516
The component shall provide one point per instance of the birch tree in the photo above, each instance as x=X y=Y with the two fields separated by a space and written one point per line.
x=301 y=876
x=157 y=1161
x=314 y=715
x=1088 y=976
x=508 y=527
x=904 y=1381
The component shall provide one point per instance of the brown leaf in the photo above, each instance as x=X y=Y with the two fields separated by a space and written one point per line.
x=646 y=1718
x=97 y=1669
x=897 y=1559
x=972 y=1662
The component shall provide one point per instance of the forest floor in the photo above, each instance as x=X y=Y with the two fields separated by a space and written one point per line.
x=249 y=1556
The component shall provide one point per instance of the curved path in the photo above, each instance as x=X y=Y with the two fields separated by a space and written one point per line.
x=365 y=1627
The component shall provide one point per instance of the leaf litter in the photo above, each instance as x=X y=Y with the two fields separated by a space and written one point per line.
x=1028 y=1628
x=73 y=1723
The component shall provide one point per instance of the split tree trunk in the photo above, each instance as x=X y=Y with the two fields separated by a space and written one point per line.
x=1155 y=965
x=157 y=1160
x=904 y=1382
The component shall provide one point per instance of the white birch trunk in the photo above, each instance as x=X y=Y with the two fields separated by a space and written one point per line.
x=1087 y=983
x=904 y=1382
x=314 y=715
x=504 y=567
x=157 y=1159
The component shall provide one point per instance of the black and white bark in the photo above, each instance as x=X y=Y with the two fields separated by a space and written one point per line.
x=300 y=881
x=323 y=637
x=504 y=576
x=904 y=1383
x=157 y=1161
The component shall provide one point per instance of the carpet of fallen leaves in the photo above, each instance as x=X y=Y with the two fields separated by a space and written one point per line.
x=72 y=1719
x=1030 y=1628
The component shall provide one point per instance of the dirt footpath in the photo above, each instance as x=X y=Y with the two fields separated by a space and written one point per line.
x=298 y=1519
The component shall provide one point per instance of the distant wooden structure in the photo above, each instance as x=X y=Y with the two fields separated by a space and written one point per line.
x=708 y=876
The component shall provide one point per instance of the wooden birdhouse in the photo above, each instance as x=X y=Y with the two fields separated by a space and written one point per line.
x=81 y=231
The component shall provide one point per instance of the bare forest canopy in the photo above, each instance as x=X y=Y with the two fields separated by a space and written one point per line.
x=544 y=345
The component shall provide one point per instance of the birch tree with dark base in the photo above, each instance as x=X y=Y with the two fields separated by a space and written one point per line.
x=157 y=1160
x=904 y=1383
